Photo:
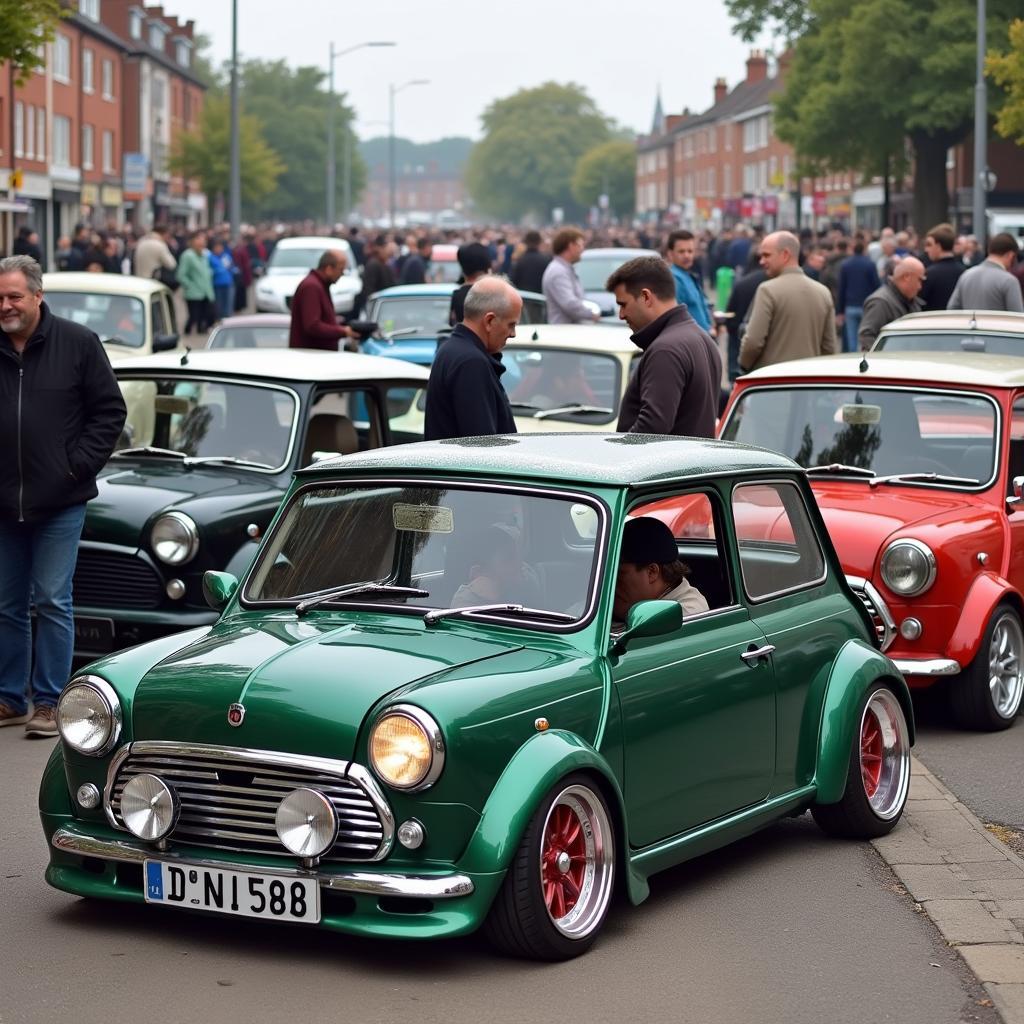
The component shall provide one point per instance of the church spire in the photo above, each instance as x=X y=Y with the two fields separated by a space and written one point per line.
x=658 y=124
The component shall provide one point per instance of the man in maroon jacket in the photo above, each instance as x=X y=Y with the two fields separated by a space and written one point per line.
x=314 y=323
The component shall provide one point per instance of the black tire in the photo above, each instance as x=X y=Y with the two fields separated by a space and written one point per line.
x=878 y=777
x=521 y=922
x=987 y=694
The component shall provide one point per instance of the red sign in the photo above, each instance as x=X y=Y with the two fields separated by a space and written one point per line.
x=771 y=205
x=820 y=207
x=746 y=208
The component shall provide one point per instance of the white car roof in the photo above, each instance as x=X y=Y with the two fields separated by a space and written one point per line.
x=604 y=338
x=286 y=364
x=101 y=284
x=312 y=242
x=957 y=320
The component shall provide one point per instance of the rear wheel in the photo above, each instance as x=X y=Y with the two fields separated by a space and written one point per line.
x=987 y=694
x=878 y=778
x=556 y=894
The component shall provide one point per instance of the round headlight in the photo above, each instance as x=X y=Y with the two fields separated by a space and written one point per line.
x=908 y=567
x=174 y=538
x=306 y=823
x=149 y=807
x=89 y=715
x=406 y=748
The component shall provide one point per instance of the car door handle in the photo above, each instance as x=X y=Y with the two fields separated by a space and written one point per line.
x=754 y=653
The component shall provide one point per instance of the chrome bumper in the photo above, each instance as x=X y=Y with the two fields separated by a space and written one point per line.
x=932 y=667
x=431 y=887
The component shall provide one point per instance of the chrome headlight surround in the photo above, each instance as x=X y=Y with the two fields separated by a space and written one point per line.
x=432 y=739
x=102 y=702
x=917 y=558
x=174 y=538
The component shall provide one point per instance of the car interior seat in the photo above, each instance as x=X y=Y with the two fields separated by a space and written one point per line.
x=329 y=432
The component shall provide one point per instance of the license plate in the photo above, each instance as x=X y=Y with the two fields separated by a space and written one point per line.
x=94 y=635
x=247 y=894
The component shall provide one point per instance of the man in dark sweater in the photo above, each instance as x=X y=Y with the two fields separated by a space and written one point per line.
x=464 y=394
x=314 y=322
x=676 y=385
x=858 y=278
x=942 y=267
x=528 y=270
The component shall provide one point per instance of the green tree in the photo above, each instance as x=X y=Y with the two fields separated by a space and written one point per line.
x=532 y=140
x=206 y=153
x=25 y=25
x=868 y=75
x=1007 y=70
x=608 y=169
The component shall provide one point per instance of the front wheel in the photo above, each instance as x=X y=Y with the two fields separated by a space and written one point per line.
x=558 y=889
x=878 y=778
x=987 y=694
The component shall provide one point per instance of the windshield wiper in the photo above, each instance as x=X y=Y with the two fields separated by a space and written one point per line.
x=200 y=460
x=357 y=588
x=149 y=450
x=522 y=405
x=937 y=477
x=572 y=407
x=506 y=609
x=840 y=467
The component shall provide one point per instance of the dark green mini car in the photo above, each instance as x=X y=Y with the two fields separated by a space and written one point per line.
x=417 y=714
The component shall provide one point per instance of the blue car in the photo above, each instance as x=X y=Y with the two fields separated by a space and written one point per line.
x=410 y=319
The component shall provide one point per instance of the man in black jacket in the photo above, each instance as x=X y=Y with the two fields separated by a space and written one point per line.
x=528 y=270
x=943 y=268
x=61 y=413
x=677 y=381
x=464 y=394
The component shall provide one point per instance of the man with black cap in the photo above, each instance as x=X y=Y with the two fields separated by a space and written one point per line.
x=475 y=262
x=650 y=570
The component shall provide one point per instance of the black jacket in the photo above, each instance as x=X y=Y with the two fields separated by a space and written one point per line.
x=940 y=280
x=528 y=270
x=464 y=394
x=61 y=413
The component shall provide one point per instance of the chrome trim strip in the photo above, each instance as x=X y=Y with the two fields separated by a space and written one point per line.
x=246 y=755
x=871 y=593
x=929 y=667
x=432 y=887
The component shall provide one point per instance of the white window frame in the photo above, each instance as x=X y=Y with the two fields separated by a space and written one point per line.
x=183 y=53
x=88 y=65
x=108 y=151
x=61 y=58
x=135 y=24
x=89 y=9
x=30 y=132
x=19 y=128
x=108 y=79
x=88 y=141
x=157 y=35
x=61 y=141
x=40 y=133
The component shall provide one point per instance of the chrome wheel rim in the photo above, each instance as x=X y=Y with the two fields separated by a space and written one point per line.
x=1006 y=665
x=577 y=858
x=884 y=754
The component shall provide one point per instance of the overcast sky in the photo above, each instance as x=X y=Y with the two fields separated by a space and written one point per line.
x=476 y=52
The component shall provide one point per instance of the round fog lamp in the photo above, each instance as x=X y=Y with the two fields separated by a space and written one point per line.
x=149 y=807
x=910 y=629
x=88 y=796
x=411 y=834
x=306 y=823
x=175 y=589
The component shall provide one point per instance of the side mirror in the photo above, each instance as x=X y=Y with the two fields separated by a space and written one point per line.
x=321 y=456
x=219 y=588
x=164 y=342
x=649 y=618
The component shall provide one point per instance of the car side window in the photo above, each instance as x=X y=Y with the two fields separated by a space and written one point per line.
x=694 y=518
x=159 y=318
x=344 y=422
x=778 y=548
x=405 y=412
x=1016 y=454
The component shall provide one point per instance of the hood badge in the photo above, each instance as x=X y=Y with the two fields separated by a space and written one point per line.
x=236 y=714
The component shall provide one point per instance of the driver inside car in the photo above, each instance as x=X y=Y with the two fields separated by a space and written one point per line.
x=496 y=573
x=650 y=570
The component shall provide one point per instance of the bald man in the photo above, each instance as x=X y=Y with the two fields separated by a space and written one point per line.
x=464 y=394
x=897 y=297
x=792 y=317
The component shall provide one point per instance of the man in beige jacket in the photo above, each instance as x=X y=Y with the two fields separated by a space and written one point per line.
x=792 y=316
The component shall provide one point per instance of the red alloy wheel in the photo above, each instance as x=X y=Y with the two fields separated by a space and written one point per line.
x=870 y=753
x=563 y=861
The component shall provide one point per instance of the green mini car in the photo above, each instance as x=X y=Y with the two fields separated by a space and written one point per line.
x=419 y=714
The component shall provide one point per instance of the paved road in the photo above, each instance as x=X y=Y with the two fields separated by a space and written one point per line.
x=787 y=926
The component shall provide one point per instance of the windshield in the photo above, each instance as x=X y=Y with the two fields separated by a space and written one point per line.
x=444 y=271
x=209 y=418
x=117 y=318
x=464 y=547
x=968 y=341
x=249 y=337
x=429 y=315
x=884 y=431
x=538 y=379
x=594 y=271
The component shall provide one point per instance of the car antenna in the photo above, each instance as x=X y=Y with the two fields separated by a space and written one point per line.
x=864 y=365
x=535 y=336
x=972 y=324
x=184 y=358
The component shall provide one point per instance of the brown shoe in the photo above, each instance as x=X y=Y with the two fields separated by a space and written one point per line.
x=8 y=716
x=43 y=722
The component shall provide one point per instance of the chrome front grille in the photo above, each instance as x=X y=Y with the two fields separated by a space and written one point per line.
x=884 y=623
x=229 y=796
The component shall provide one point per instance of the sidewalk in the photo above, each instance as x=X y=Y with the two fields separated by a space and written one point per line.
x=968 y=882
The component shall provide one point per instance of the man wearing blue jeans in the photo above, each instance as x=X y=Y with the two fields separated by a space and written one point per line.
x=61 y=412
x=858 y=278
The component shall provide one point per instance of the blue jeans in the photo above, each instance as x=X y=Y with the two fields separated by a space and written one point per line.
x=851 y=325
x=225 y=298
x=37 y=560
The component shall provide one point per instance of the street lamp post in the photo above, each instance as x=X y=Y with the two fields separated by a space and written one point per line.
x=235 y=180
x=333 y=56
x=980 y=136
x=393 y=91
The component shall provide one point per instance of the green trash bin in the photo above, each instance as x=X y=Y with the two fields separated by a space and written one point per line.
x=723 y=286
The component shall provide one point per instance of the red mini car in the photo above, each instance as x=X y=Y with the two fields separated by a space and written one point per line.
x=917 y=463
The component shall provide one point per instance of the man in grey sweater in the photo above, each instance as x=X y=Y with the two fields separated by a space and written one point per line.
x=991 y=285
x=896 y=298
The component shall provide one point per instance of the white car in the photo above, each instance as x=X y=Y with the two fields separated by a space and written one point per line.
x=291 y=260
